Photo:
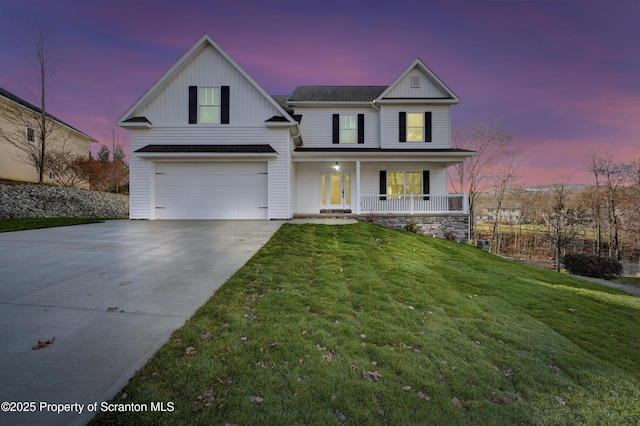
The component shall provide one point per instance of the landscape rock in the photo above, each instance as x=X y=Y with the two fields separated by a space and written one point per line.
x=34 y=201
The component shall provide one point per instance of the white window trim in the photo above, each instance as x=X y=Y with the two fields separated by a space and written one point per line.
x=415 y=127
x=354 y=129
x=218 y=117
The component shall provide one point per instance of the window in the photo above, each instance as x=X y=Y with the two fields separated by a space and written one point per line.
x=31 y=134
x=209 y=104
x=415 y=81
x=348 y=129
x=404 y=183
x=415 y=127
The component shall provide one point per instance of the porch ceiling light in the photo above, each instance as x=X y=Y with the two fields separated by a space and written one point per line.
x=337 y=166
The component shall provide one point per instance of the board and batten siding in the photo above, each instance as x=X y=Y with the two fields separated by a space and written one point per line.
x=208 y=69
x=427 y=89
x=441 y=126
x=317 y=127
x=142 y=171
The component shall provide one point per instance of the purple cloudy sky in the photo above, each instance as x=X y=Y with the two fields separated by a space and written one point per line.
x=562 y=77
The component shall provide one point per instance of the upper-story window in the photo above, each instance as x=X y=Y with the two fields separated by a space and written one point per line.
x=209 y=104
x=31 y=134
x=348 y=128
x=415 y=126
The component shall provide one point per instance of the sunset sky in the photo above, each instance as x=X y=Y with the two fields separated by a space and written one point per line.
x=562 y=77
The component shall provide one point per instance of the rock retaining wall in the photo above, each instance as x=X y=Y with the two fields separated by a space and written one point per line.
x=453 y=227
x=24 y=201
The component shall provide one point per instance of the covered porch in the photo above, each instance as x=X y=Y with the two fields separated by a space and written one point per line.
x=375 y=182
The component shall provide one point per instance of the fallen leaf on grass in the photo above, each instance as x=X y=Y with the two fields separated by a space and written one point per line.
x=204 y=336
x=262 y=364
x=371 y=375
x=560 y=400
x=508 y=372
x=406 y=388
x=423 y=396
x=328 y=356
x=341 y=416
x=256 y=399
x=42 y=344
x=456 y=401
x=190 y=350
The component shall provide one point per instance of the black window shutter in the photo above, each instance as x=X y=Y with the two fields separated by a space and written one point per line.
x=360 y=128
x=427 y=126
x=224 y=104
x=402 y=121
x=193 y=104
x=383 y=184
x=336 y=128
x=426 y=183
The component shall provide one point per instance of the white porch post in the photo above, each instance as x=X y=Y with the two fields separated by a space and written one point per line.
x=358 y=202
x=465 y=202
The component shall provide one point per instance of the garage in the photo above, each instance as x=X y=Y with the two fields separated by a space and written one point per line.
x=211 y=190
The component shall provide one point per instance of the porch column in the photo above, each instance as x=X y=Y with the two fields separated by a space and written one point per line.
x=358 y=207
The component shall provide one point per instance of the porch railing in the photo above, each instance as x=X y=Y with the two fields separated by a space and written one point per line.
x=410 y=204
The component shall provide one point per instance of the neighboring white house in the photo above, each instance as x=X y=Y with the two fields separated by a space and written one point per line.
x=207 y=142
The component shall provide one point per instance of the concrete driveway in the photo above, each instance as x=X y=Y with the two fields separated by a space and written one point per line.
x=111 y=294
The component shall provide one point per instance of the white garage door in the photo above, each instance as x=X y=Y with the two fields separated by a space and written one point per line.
x=209 y=190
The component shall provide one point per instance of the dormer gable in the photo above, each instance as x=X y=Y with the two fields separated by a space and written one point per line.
x=178 y=88
x=418 y=84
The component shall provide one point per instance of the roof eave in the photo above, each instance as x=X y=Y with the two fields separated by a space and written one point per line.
x=204 y=155
x=331 y=103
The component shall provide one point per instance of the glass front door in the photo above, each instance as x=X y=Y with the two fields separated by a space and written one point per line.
x=336 y=190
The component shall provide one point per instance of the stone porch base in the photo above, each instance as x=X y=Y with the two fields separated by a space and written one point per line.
x=453 y=226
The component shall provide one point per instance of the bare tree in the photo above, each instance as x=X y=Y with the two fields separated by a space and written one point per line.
x=503 y=177
x=33 y=130
x=559 y=218
x=116 y=137
x=475 y=174
x=614 y=177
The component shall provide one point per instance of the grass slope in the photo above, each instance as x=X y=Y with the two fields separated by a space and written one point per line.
x=365 y=325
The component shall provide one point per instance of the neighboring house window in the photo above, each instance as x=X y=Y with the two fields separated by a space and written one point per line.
x=415 y=127
x=348 y=128
x=52 y=175
x=209 y=105
x=400 y=184
x=31 y=134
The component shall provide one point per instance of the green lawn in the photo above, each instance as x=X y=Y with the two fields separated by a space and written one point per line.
x=8 y=225
x=365 y=325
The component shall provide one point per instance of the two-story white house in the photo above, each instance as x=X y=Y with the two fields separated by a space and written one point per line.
x=207 y=142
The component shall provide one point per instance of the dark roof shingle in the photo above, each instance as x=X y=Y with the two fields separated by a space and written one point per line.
x=336 y=93
x=224 y=149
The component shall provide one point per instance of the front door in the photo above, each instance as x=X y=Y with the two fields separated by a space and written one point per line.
x=337 y=190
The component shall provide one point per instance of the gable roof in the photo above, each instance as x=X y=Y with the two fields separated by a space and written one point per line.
x=15 y=99
x=179 y=65
x=451 y=97
x=336 y=94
